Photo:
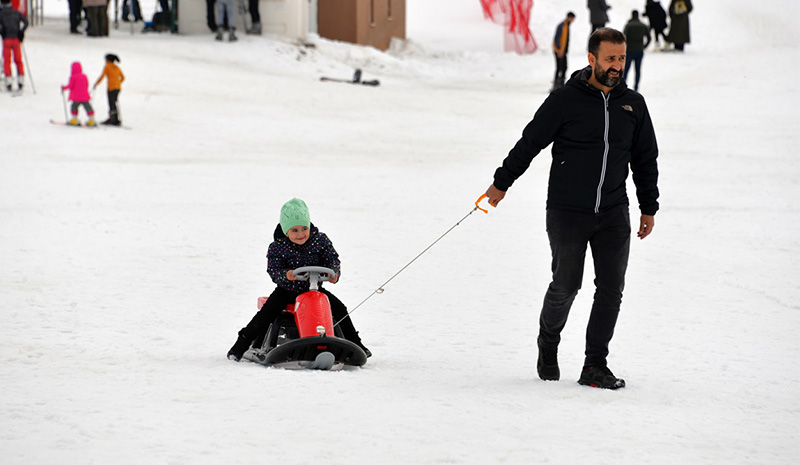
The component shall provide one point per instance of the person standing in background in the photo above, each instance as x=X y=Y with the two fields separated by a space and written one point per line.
x=679 y=23
x=560 y=49
x=255 y=18
x=657 y=18
x=75 y=12
x=12 y=29
x=637 y=38
x=598 y=13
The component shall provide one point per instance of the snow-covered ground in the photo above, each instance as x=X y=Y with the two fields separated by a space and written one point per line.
x=129 y=259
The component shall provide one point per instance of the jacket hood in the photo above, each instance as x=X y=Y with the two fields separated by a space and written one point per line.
x=76 y=68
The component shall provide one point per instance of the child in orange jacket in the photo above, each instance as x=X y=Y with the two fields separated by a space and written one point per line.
x=115 y=78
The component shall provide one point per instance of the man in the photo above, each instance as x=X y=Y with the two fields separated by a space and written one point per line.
x=598 y=13
x=597 y=127
x=12 y=29
x=637 y=38
x=560 y=49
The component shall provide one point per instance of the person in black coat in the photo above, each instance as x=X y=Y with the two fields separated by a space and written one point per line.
x=12 y=30
x=679 y=23
x=598 y=128
x=75 y=13
x=598 y=13
x=657 y=18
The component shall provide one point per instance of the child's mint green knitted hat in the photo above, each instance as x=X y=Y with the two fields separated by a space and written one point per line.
x=294 y=213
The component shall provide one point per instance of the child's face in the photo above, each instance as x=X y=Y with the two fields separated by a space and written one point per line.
x=298 y=234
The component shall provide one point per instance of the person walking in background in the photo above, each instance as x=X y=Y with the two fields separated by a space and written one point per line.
x=115 y=77
x=97 y=15
x=12 y=29
x=225 y=8
x=679 y=23
x=134 y=8
x=637 y=38
x=78 y=87
x=255 y=17
x=657 y=18
x=75 y=13
x=598 y=13
x=597 y=128
x=560 y=49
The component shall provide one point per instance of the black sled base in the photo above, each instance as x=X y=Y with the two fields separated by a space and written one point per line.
x=316 y=353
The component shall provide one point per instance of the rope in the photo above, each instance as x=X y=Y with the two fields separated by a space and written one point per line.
x=380 y=289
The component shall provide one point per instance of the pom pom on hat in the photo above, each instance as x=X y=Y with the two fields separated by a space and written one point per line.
x=294 y=213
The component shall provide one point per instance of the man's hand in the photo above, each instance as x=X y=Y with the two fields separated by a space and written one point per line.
x=646 y=225
x=494 y=195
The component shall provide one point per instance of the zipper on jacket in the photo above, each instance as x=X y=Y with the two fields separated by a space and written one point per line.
x=605 y=155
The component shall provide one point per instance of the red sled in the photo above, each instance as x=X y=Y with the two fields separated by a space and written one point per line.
x=303 y=335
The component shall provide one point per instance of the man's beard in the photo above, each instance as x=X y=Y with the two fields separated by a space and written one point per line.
x=606 y=80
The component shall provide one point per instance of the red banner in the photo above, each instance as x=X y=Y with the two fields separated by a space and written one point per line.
x=515 y=15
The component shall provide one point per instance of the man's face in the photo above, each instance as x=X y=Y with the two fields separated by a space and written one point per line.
x=609 y=63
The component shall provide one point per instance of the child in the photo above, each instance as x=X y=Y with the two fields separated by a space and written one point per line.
x=115 y=78
x=12 y=29
x=297 y=243
x=79 y=94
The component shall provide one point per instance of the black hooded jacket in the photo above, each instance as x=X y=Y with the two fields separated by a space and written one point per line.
x=595 y=138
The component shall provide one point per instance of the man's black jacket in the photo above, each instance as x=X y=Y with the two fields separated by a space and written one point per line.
x=595 y=138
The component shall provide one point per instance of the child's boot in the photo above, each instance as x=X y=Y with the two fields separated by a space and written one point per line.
x=74 y=120
x=91 y=121
x=8 y=83
x=239 y=348
x=20 y=82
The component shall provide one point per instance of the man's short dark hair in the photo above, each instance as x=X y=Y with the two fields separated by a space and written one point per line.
x=604 y=34
x=570 y=15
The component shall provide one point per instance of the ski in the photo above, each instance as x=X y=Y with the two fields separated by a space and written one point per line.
x=62 y=123
x=356 y=80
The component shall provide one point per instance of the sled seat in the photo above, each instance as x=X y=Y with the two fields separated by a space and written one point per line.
x=263 y=299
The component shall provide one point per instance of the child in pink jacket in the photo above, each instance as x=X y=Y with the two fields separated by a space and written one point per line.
x=79 y=95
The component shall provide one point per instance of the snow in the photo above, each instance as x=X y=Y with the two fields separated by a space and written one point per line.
x=129 y=259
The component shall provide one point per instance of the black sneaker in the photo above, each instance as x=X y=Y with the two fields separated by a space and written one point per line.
x=600 y=376
x=238 y=349
x=547 y=365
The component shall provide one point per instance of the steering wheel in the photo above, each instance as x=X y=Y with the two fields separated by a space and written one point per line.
x=314 y=274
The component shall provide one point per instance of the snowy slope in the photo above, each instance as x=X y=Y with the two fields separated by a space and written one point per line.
x=129 y=259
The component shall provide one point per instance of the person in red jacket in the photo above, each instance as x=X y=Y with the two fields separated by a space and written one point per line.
x=12 y=29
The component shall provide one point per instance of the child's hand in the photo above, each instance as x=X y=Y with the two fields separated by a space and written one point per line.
x=334 y=278
x=290 y=276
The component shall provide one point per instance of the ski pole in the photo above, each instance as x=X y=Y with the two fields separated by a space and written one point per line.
x=28 y=67
x=380 y=289
x=64 y=100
